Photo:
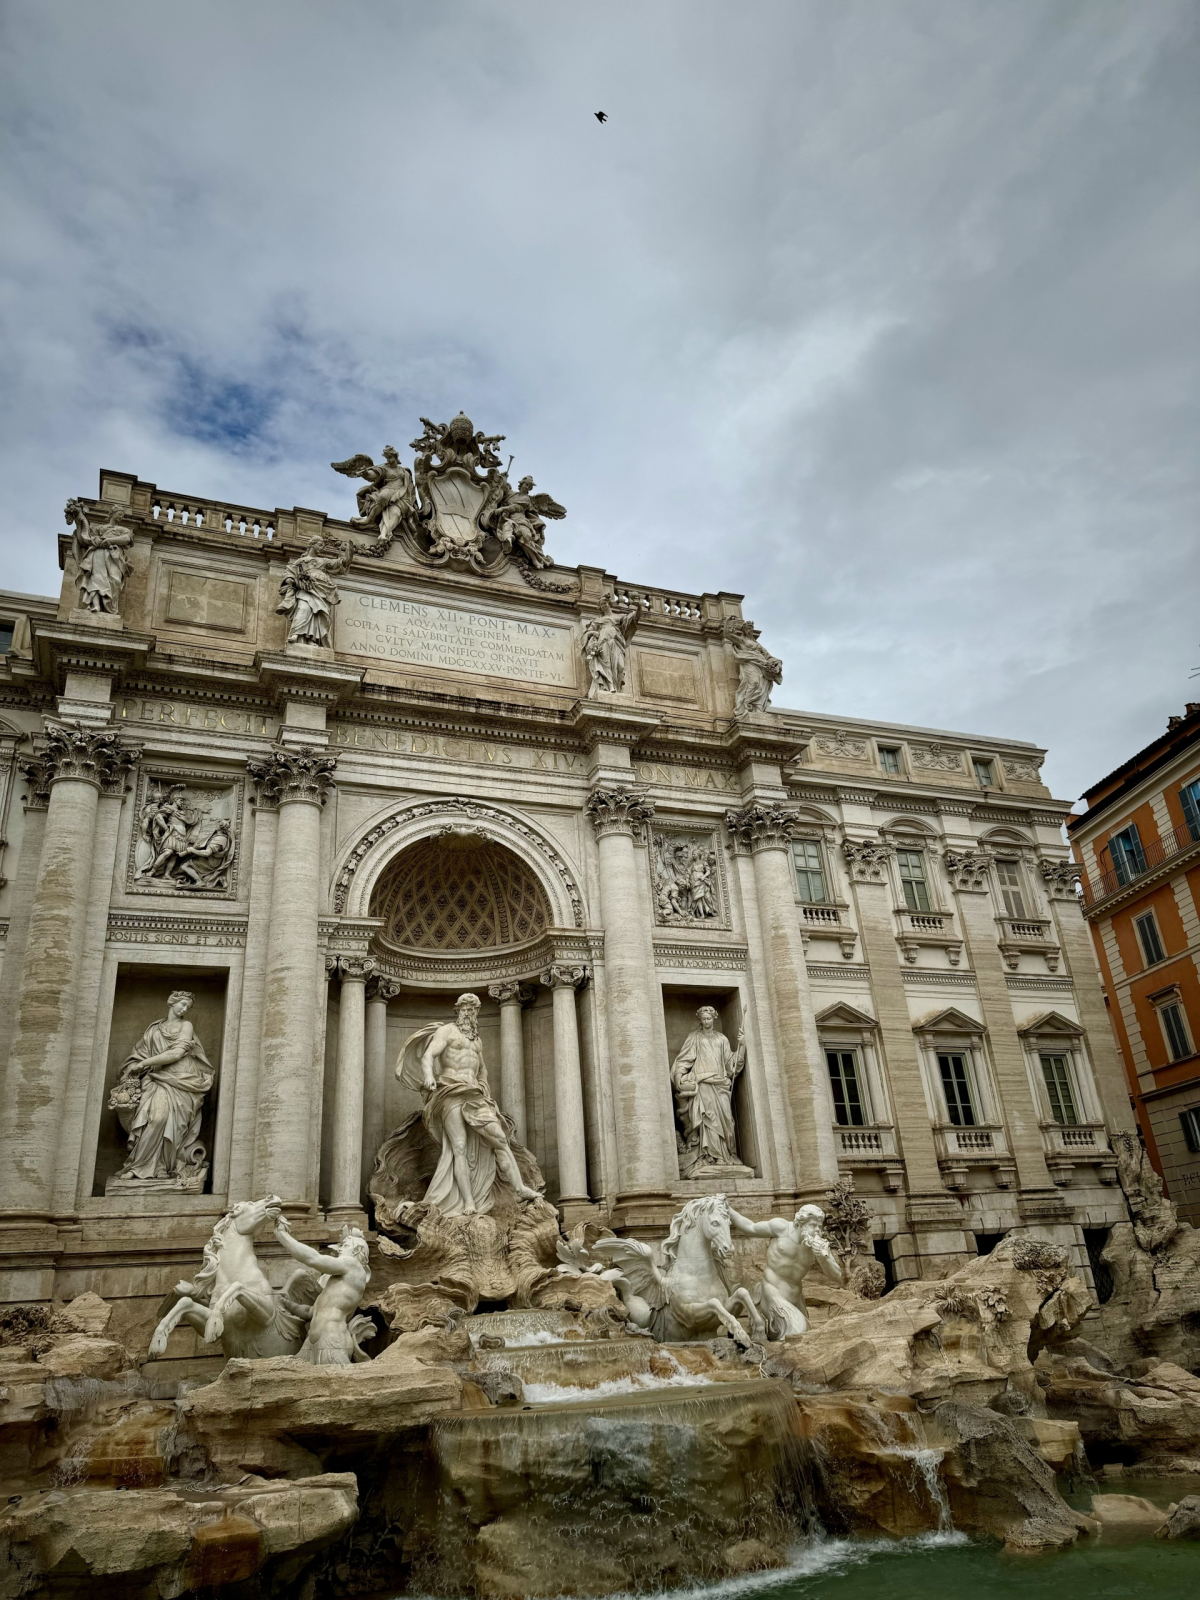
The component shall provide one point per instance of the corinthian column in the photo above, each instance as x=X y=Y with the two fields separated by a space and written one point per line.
x=512 y=997
x=766 y=831
x=562 y=980
x=379 y=991
x=287 y=1087
x=345 y=1188
x=77 y=763
x=637 y=1087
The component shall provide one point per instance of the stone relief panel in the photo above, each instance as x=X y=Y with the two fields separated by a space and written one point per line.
x=843 y=746
x=934 y=757
x=687 y=879
x=1024 y=771
x=186 y=834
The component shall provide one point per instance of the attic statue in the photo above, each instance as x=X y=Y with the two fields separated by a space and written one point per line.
x=308 y=594
x=101 y=559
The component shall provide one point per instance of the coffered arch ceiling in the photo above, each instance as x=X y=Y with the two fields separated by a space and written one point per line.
x=453 y=894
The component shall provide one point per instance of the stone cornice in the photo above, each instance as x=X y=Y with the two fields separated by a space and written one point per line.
x=294 y=677
x=77 y=647
x=603 y=722
x=762 y=738
x=286 y=776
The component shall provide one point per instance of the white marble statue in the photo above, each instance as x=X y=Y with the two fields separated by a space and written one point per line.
x=231 y=1299
x=518 y=519
x=444 y=1064
x=703 y=1075
x=605 y=646
x=101 y=559
x=690 y=1296
x=758 y=670
x=159 y=1098
x=333 y=1328
x=307 y=592
x=389 y=501
x=795 y=1248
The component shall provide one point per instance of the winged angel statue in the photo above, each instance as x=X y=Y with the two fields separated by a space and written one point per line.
x=457 y=501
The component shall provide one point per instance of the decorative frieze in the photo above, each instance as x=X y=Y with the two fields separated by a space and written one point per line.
x=967 y=870
x=866 y=859
x=843 y=746
x=1025 y=771
x=286 y=776
x=136 y=927
x=762 y=827
x=619 y=811
x=696 y=957
x=935 y=757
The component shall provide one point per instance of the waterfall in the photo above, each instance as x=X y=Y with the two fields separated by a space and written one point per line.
x=652 y=1488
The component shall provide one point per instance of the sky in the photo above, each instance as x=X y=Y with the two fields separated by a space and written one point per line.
x=882 y=313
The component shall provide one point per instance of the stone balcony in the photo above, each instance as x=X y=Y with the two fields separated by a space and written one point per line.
x=832 y=921
x=871 y=1149
x=961 y=1150
x=1084 y=1144
x=931 y=928
x=1020 y=936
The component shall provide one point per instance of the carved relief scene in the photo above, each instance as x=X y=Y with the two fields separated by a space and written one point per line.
x=185 y=835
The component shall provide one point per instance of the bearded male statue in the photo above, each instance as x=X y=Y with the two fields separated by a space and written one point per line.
x=444 y=1063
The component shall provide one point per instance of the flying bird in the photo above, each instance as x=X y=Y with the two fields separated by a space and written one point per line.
x=600 y=116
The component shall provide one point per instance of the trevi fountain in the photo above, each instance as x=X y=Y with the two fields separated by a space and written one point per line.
x=495 y=1107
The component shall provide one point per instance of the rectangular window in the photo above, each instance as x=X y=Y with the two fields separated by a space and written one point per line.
x=911 y=864
x=1189 y=799
x=810 y=871
x=7 y=629
x=985 y=773
x=1147 y=932
x=1058 y=1088
x=889 y=760
x=957 y=1088
x=1128 y=857
x=1189 y=1121
x=1176 y=1031
x=1008 y=878
x=848 y=1107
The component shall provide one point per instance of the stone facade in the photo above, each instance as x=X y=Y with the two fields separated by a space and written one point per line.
x=324 y=844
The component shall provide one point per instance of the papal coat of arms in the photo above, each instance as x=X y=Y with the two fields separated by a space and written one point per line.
x=456 y=505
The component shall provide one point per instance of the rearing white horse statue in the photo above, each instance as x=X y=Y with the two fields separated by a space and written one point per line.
x=231 y=1298
x=690 y=1298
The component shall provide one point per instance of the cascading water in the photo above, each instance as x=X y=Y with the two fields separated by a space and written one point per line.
x=629 y=1492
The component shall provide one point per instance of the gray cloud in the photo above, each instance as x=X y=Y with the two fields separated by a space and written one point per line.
x=883 y=315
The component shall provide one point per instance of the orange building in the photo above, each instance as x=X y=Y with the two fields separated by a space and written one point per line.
x=1139 y=845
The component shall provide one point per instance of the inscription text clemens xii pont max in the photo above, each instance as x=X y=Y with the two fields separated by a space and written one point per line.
x=455 y=640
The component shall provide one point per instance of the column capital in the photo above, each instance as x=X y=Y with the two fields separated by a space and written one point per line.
x=867 y=859
x=1061 y=878
x=381 y=987
x=564 y=976
x=355 y=969
x=287 y=776
x=36 y=773
x=967 y=870
x=506 y=993
x=761 y=827
x=614 y=810
x=87 y=755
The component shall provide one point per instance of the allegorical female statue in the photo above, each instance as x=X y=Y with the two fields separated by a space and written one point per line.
x=308 y=594
x=703 y=1075
x=605 y=646
x=758 y=670
x=159 y=1098
x=101 y=559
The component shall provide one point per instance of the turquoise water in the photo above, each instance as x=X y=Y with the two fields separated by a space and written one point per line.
x=951 y=1567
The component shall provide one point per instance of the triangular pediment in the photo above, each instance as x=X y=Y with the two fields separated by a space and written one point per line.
x=1050 y=1022
x=951 y=1020
x=842 y=1015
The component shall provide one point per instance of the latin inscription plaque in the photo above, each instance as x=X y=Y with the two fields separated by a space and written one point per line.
x=417 y=633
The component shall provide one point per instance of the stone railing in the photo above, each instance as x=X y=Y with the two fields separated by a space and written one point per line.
x=211 y=516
